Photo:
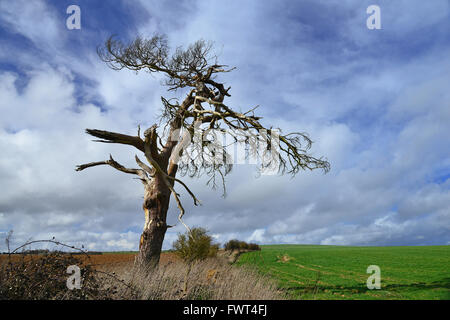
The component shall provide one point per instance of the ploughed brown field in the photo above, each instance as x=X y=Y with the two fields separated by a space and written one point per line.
x=117 y=261
x=105 y=261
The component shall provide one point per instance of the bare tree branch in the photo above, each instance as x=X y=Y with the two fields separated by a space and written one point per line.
x=111 y=162
x=113 y=137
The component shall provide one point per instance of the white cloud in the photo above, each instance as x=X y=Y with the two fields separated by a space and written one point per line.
x=257 y=236
x=35 y=20
x=123 y=244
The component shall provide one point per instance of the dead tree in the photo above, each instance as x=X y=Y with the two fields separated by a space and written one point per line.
x=203 y=110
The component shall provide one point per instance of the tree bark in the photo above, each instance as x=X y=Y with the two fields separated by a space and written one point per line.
x=156 y=204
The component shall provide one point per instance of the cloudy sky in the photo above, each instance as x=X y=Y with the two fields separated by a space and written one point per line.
x=375 y=102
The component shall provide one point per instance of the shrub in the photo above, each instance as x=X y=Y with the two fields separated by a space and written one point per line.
x=232 y=245
x=241 y=245
x=213 y=250
x=196 y=245
x=254 y=247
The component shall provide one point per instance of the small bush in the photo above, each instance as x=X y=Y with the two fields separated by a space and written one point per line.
x=213 y=250
x=254 y=247
x=232 y=245
x=240 y=245
x=196 y=245
x=243 y=245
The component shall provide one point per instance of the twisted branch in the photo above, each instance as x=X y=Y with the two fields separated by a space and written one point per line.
x=111 y=162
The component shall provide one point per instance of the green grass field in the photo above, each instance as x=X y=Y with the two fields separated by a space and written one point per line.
x=338 y=272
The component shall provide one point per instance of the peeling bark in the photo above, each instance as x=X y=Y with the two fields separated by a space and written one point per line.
x=155 y=206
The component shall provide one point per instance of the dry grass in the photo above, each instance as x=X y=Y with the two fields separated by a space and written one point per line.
x=284 y=258
x=210 y=279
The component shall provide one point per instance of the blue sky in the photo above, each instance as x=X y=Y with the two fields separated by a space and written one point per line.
x=375 y=102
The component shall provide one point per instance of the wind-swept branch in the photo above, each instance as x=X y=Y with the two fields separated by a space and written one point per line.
x=113 y=137
x=111 y=162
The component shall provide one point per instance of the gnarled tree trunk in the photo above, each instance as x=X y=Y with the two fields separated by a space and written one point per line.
x=156 y=204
